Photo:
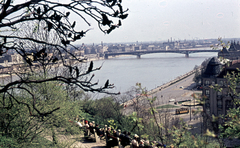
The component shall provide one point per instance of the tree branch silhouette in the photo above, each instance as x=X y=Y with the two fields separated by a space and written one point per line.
x=52 y=17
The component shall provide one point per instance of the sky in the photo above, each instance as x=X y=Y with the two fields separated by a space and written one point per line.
x=159 y=20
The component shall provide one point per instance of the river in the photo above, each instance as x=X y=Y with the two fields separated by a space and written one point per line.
x=150 y=70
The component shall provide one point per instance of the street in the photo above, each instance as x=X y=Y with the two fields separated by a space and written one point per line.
x=179 y=91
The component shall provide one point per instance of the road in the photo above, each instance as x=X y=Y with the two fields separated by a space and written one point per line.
x=182 y=90
x=179 y=91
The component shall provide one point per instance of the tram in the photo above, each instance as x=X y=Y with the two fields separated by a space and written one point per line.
x=182 y=111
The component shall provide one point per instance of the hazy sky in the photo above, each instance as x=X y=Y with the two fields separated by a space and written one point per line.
x=157 y=20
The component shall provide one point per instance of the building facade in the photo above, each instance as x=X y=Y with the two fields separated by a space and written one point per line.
x=232 y=53
x=218 y=102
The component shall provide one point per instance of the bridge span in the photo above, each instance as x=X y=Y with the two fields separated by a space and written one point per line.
x=142 y=52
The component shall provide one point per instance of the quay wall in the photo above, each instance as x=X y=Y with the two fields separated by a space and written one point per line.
x=159 y=88
x=165 y=85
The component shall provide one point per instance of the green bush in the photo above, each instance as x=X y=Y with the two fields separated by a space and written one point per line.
x=8 y=142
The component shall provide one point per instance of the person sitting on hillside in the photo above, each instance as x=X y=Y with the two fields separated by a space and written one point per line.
x=86 y=125
x=91 y=127
x=135 y=143
x=112 y=139
x=141 y=144
x=147 y=144
x=115 y=133
x=78 y=123
x=99 y=132
x=125 y=138
x=122 y=134
x=108 y=133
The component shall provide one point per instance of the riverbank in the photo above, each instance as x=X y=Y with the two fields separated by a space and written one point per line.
x=179 y=78
x=171 y=90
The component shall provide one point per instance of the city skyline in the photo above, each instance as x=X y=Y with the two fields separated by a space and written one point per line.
x=160 y=20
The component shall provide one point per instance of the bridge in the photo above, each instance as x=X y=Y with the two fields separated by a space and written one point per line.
x=142 y=52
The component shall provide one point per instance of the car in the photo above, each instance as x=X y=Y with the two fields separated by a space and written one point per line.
x=181 y=87
x=172 y=100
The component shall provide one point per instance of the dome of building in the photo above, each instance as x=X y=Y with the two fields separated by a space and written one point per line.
x=213 y=68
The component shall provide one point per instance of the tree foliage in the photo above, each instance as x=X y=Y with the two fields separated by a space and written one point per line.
x=226 y=126
x=45 y=90
x=197 y=77
x=52 y=18
x=25 y=125
x=230 y=128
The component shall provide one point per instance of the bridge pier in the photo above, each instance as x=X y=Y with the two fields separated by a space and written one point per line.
x=138 y=56
x=187 y=55
x=105 y=56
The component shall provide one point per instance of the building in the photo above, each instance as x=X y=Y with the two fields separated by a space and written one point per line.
x=233 y=52
x=213 y=101
x=217 y=102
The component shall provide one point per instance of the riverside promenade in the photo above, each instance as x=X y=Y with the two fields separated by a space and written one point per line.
x=172 y=82
x=179 y=89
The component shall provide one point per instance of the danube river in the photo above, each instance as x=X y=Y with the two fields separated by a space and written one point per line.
x=150 y=70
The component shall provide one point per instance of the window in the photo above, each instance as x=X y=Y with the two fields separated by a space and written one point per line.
x=219 y=104
x=207 y=82
x=219 y=93
x=207 y=104
x=228 y=104
x=219 y=112
x=207 y=92
x=208 y=111
x=221 y=83
x=224 y=83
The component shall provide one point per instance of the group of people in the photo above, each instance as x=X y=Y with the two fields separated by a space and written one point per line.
x=144 y=143
x=113 y=137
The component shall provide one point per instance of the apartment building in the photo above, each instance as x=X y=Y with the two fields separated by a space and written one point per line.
x=218 y=102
